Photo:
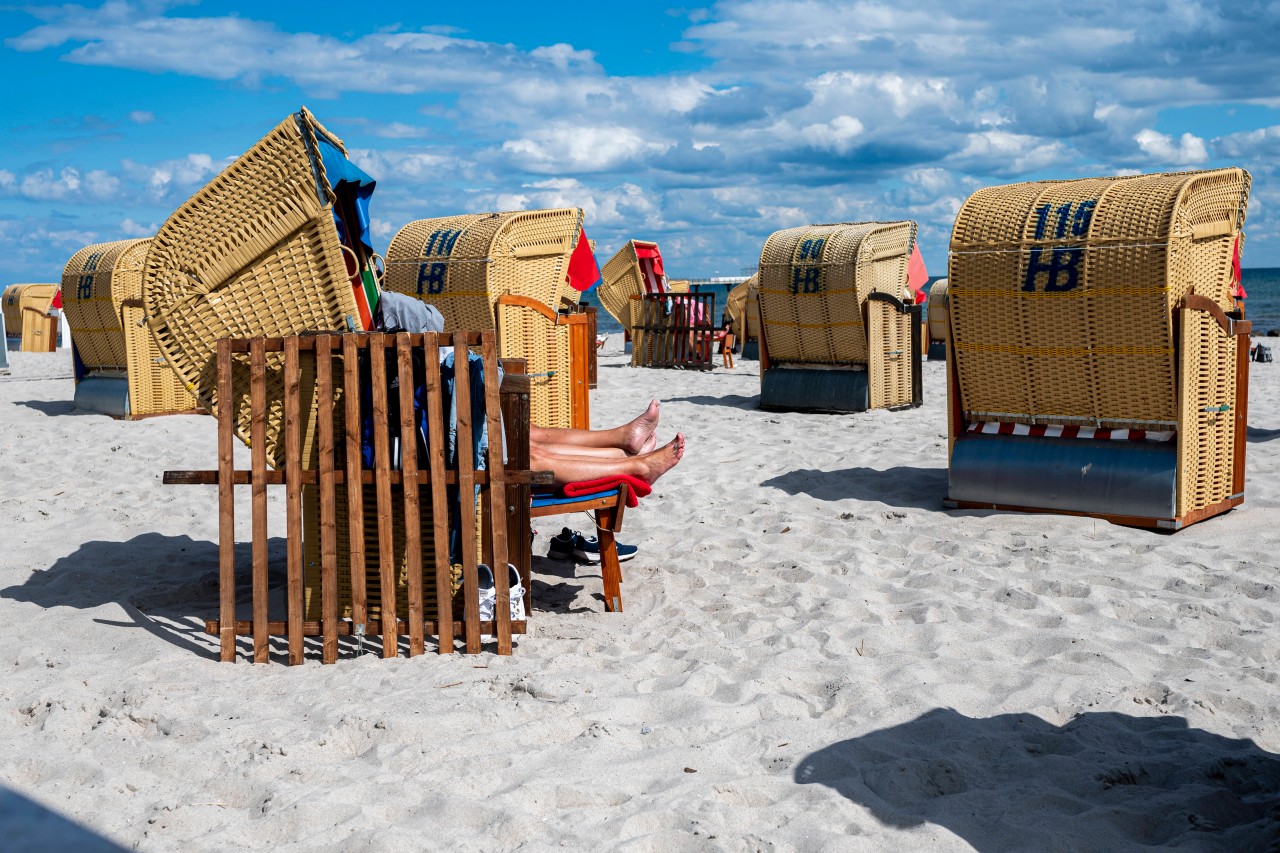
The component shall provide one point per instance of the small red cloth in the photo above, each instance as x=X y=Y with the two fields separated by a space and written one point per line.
x=638 y=488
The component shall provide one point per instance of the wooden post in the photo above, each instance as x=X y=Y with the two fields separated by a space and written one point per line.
x=466 y=491
x=382 y=485
x=409 y=478
x=258 y=493
x=439 y=506
x=355 y=488
x=497 y=491
x=328 y=501
x=226 y=508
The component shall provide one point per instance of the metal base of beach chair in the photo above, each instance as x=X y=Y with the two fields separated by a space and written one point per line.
x=814 y=390
x=107 y=395
x=937 y=350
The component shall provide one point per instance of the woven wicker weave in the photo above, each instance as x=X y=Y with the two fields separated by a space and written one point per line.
x=622 y=279
x=937 y=309
x=463 y=264
x=814 y=284
x=253 y=253
x=102 y=297
x=1062 y=293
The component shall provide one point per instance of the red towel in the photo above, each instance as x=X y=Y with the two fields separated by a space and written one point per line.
x=638 y=488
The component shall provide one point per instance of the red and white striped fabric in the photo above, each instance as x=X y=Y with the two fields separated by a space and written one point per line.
x=992 y=428
x=651 y=271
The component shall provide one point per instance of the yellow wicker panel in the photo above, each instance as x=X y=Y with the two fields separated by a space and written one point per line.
x=526 y=334
x=814 y=282
x=1206 y=439
x=937 y=310
x=890 y=355
x=1061 y=293
x=26 y=309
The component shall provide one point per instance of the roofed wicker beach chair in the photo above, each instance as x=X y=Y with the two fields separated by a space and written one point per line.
x=27 y=316
x=119 y=368
x=509 y=272
x=936 y=309
x=1096 y=365
x=272 y=246
x=668 y=326
x=839 y=330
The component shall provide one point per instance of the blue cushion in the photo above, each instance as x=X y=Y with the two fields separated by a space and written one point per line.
x=555 y=498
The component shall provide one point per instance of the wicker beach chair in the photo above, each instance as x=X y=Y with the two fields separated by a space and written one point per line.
x=937 y=320
x=636 y=269
x=119 y=369
x=743 y=306
x=269 y=247
x=839 y=331
x=1095 y=365
x=507 y=271
x=667 y=325
x=27 y=316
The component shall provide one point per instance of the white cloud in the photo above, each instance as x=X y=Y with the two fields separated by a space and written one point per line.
x=1160 y=147
x=569 y=148
x=838 y=135
x=129 y=228
x=142 y=117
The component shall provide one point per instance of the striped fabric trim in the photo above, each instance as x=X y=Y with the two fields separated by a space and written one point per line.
x=1053 y=431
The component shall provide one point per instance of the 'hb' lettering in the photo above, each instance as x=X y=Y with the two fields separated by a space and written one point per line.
x=431 y=278
x=1062 y=259
x=806 y=279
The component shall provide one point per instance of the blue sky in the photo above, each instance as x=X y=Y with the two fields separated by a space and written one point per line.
x=705 y=127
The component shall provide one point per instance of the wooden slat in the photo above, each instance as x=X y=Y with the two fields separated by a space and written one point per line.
x=226 y=505
x=293 y=496
x=362 y=341
x=382 y=487
x=466 y=491
x=515 y=416
x=258 y=493
x=409 y=467
x=497 y=491
x=328 y=500
x=353 y=480
x=308 y=477
x=439 y=504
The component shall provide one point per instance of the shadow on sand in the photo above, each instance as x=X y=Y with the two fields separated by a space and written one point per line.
x=29 y=826
x=917 y=488
x=1104 y=781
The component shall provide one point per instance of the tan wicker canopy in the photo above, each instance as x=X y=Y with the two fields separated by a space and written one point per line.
x=814 y=284
x=623 y=278
x=743 y=307
x=1062 y=293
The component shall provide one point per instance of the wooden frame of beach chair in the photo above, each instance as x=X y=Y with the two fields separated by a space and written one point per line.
x=1095 y=365
x=329 y=594
x=507 y=271
x=936 y=322
x=256 y=252
x=838 y=329
x=26 y=310
x=119 y=368
x=674 y=329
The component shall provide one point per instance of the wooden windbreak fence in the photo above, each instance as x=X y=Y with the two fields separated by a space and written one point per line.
x=673 y=330
x=324 y=452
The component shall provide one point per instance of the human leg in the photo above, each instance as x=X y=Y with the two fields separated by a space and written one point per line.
x=634 y=437
x=568 y=468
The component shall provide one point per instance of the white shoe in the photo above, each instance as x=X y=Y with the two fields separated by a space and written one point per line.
x=489 y=594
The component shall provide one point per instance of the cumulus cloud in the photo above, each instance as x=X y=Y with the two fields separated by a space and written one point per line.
x=1189 y=150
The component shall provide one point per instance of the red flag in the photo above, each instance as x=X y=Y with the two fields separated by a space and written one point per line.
x=1237 y=277
x=917 y=275
x=55 y=307
x=584 y=272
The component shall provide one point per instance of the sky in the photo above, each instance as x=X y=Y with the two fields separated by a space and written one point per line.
x=704 y=127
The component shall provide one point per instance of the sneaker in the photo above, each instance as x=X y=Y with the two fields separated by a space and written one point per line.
x=588 y=549
x=489 y=593
x=561 y=545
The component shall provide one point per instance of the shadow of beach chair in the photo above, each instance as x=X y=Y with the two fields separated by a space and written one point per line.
x=838 y=329
x=119 y=369
x=1095 y=365
x=508 y=271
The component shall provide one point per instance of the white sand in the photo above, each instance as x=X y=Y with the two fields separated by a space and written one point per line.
x=814 y=655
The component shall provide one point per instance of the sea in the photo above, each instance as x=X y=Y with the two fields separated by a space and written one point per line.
x=1261 y=283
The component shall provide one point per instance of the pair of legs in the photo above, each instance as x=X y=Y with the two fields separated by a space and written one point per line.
x=575 y=455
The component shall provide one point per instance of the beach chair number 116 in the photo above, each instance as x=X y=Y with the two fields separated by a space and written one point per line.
x=1063 y=260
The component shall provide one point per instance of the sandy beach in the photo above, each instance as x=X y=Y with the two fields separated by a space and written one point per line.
x=814 y=656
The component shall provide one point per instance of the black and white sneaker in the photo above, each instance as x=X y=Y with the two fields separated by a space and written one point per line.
x=561 y=545
x=588 y=549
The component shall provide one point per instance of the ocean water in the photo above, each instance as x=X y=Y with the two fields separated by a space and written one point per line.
x=1261 y=283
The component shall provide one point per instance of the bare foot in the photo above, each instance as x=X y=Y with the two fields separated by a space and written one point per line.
x=640 y=435
x=662 y=460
